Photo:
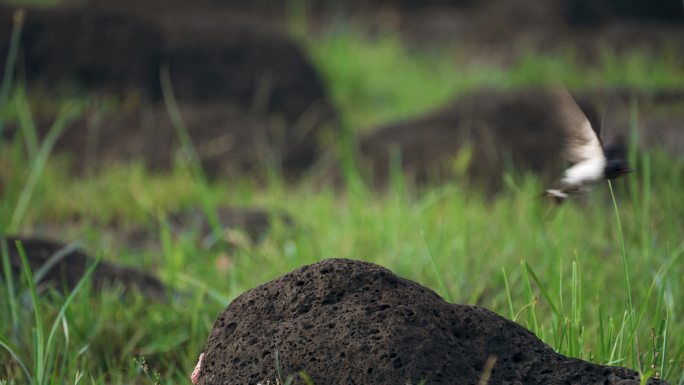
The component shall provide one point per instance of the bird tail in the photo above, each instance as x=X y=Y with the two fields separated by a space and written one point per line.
x=557 y=195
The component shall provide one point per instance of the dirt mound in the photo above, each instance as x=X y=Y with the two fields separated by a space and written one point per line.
x=247 y=89
x=500 y=31
x=92 y=50
x=248 y=65
x=211 y=56
x=501 y=130
x=516 y=130
x=227 y=139
x=351 y=322
x=592 y=12
x=237 y=227
x=253 y=221
x=63 y=266
x=576 y=11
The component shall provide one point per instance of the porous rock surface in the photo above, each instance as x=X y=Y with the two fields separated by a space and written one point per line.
x=351 y=322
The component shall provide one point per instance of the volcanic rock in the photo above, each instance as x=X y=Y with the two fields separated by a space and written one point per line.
x=64 y=266
x=351 y=322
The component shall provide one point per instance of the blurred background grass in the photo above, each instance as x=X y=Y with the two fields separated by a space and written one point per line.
x=378 y=79
x=559 y=274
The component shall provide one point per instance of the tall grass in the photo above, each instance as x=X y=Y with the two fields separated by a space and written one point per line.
x=562 y=276
x=47 y=360
x=601 y=280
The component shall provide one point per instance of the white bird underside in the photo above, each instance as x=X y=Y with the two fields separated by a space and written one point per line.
x=583 y=173
x=582 y=148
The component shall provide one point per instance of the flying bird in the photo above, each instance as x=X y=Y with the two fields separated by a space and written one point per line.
x=592 y=161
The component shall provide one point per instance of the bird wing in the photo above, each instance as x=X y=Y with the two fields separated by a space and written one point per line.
x=581 y=142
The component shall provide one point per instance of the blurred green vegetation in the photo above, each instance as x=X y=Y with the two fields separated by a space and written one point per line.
x=376 y=79
x=560 y=274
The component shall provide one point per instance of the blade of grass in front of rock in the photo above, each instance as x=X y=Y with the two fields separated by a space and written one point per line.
x=37 y=166
x=10 y=62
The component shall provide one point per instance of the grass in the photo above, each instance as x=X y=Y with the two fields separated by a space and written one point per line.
x=563 y=275
x=601 y=280
x=376 y=79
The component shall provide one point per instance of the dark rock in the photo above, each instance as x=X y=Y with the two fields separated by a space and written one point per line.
x=513 y=130
x=351 y=322
x=67 y=265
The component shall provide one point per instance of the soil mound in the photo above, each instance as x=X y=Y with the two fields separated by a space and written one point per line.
x=210 y=55
x=513 y=130
x=500 y=129
x=254 y=222
x=227 y=140
x=351 y=322
x=86 y=49
x=237 y=227
x=245 y=64
x=592 y=12
x=65 y=265
x=247 y=91
x=500 y=31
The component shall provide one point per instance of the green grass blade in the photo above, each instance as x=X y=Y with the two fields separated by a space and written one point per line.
x=38 y=166
x=9 y=283
x=208 y=205
x=531 y=300
x=55 y=325
x=13 y=352
x=438 y=274
x=509 y=298
x=11 y=61
x=544 y=291
x=177 y=120
x=39 y=344
x=644 y=377
x=625 y=267
x=53 y=260
x=28 y=127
